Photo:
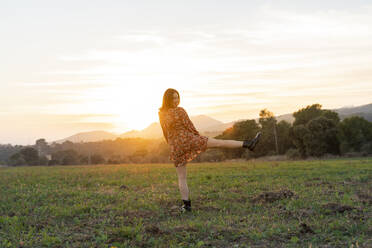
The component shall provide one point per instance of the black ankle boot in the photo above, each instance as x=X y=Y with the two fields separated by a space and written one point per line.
x=186 y=206
x=251 y=144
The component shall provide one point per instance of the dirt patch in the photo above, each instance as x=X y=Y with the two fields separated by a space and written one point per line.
x=167 y=204
x=138 y=214
x=309 y=184
x=230 y=234
x=304 y=228
x=184 y=229
x=123 y=187
x=315 y=179
x=337 y=208
x=207 y=208
x=305 y=213
x=107 y=191
x=272 y=196
x=241 y=199
x=239 y=191
x=298 y=214
x=331 y=192
x=365 y=198
x=155 y=230
x=11 y=214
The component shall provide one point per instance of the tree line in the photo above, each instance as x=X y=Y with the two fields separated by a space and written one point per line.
x=315 y=132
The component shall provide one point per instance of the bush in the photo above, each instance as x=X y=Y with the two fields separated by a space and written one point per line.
x=345 y=148
x=53 y=162
x=212 y=155
x=330 y=156
x=367 y=148
x=17 y=160
x=293 y=154
x=43 y=160
x=97 y=159
x=353 y=154
x=271 y=153
x=247 y=155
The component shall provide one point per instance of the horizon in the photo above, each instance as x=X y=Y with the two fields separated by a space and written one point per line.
x=76 y=66
x=118 y=134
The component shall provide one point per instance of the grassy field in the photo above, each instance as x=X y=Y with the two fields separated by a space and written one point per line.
x=236 y=204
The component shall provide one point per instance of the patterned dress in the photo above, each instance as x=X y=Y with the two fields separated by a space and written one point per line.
x=184 y=140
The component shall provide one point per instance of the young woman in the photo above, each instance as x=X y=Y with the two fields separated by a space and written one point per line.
x=185 y=142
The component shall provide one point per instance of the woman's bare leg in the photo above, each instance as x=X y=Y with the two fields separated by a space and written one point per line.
x=182 y=182
x=224 y=143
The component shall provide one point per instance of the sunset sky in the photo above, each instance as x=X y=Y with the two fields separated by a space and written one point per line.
x=73 y=66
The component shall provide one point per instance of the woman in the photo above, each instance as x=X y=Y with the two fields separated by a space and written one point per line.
x=185 y=142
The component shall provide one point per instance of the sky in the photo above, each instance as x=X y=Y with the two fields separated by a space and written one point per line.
x=76 y=66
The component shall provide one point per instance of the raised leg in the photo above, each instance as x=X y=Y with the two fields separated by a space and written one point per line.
x=182 y=182
x=224 y=143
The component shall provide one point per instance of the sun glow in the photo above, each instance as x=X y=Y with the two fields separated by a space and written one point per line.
x=132 y=105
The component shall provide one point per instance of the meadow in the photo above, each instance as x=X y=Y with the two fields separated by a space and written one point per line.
x=319 y=203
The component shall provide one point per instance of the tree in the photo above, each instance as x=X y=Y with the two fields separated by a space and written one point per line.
x=17 y=159
x=66 y=157
x=304 y=115
x=6 y=151
x=67 y=145
x=30 y=155
x=97 y=159
x=26 y=156
x=284 y=139
x=314 y=131
x=322 y=137
x=298 y=134
x=43 y=160
x=241 y=130
x=353 y=133
x=42 y=147
x=329 y=114
x=269 y=139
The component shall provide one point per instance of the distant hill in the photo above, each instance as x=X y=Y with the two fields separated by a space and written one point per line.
x=89 y=137
x=204 y=124
x=363 y=111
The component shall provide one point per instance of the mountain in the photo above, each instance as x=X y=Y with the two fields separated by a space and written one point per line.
x=89 y=137
x=151 y=132
x=204 y=124
x=363 y=111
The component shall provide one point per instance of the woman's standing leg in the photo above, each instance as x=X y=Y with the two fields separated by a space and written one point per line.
x=182 y=182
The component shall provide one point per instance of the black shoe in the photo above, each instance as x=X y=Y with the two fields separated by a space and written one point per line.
x=186 y=207
x=251 y=144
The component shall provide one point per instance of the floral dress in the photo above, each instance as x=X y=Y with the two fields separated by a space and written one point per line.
x=184 y=140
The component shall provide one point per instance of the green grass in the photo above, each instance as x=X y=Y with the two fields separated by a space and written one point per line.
x=132 y=205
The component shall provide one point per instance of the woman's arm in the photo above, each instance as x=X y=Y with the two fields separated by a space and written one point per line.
x=187 y=122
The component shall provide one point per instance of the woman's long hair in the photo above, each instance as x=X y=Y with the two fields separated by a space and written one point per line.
x=168 y=99
x=167 y=104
